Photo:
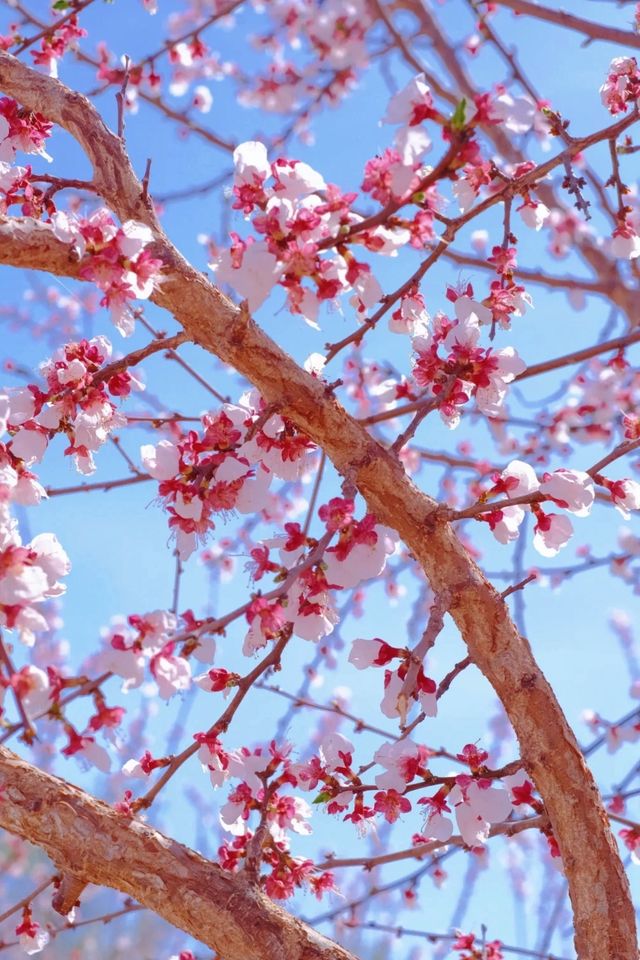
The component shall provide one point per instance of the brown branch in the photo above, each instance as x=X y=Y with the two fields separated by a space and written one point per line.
x=519 y=586
x=433 y=628
x=137 y=356
x=332 y=707
x=509 y=828
x=532 y=276
x=590 y=29
x=399 y=932
x=28 y=899
x=104 y=485
x=87 y=838
x=447 y=680
x=627 y=446
x=604 y=914
x=618 y=343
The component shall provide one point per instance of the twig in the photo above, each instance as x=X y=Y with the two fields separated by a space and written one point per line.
x=120 y=97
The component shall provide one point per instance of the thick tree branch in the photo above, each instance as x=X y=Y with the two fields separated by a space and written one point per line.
x=604 y=915
x=88 y=839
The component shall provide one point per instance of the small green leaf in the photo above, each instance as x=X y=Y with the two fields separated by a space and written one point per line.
x=322 y=797
x=60 y=5
x=458 y=118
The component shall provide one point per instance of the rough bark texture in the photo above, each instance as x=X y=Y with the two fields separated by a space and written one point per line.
x=603 y=912
x=87 y=838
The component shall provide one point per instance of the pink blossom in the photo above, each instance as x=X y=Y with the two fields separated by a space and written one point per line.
x=625 y=242
x=21 y=406
x=363 y=561
x=202 y=99
x=368 y=653
x=571 y=489
x=625 y=495
x=246 y=766
x=534 y=214
x=517 y=479
x=161 y=461
x=515 y=113
x=336 y=751
x=32 y=939
x=552 y=532
x=391 y=804
x=250 y=162
x=622 y=86
x=29 y=444
x=477 y=805
x=252 y=274
x=296 y=179
x=412 y=104
x=402 y=760
x=171 y=673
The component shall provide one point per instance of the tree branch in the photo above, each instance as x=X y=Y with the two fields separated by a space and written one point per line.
x=591 y=30
x=88 y=839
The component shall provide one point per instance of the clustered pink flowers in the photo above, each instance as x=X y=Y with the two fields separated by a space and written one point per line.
x=29 y=575
x=77 y=403
x=572 y=490
x=115 y=258
x=621 y=89
x=228 y=467
x=464 y=369
x=21 y=129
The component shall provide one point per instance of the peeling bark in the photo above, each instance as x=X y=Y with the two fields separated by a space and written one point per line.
x=603 y=913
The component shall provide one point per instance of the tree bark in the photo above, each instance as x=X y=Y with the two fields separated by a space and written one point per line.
x=603 y=912
x=87 y=839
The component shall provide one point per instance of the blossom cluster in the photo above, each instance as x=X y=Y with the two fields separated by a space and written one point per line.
x=307 y=607
x=115 y=258
x=54 y=45
x=29 y=573
x=229 y=466
x=190 y=61
x=469 y=949
x=294 y=221
x=25 y=131
x=159 y=643
x=335 y=35
x=397 y=698
x=621 y=89
x=21 y=129
x=464 y=369
x=262 y=778
x=77 y=403
x=572 y=490
x=16 y=187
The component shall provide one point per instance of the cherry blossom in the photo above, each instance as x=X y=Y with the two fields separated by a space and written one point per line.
x=477 y=804
x=571 y=489
x=551 y=532
x=622 y=86
x=115 y=258
x=402 y=760
x=32 y=939
x=21 y=130
x=625 y=495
